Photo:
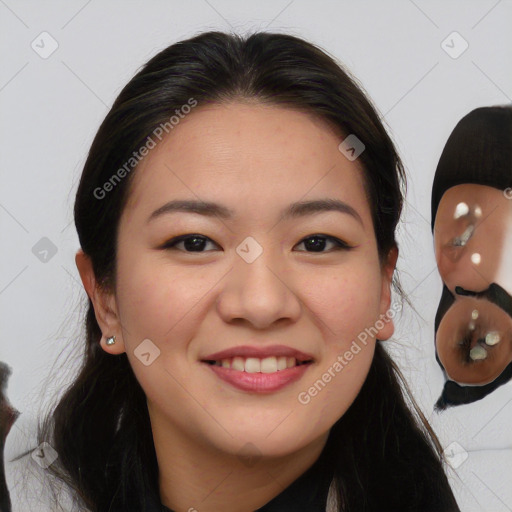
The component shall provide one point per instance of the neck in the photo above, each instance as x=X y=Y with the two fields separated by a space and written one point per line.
x=198 y=477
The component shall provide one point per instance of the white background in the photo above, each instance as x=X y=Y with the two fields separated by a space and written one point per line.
x=51 y=108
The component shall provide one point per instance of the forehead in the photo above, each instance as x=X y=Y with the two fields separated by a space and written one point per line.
x=252 y=155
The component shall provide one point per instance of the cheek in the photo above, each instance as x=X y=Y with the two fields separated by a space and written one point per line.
x=345 y=307
x=155 y=300
x=345 y=301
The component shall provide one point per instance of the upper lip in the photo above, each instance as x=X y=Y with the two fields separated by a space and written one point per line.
x=259 y=352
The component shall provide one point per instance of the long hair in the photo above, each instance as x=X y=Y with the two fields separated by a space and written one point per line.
x=381 y=454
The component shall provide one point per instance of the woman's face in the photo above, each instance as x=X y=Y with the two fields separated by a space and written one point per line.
x=253 y=282
x=473 y=238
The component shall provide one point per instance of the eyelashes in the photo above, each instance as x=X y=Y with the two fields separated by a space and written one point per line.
x=339 y=244
x=173 y=242
x=199 y=241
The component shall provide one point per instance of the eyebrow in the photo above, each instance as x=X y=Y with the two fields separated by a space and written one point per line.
x=294 y=210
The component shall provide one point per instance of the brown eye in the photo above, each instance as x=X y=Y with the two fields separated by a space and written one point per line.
x=317 y=243
x=191 y=243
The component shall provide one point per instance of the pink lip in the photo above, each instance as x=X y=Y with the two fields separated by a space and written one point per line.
x=260 y=382
x=259 y=352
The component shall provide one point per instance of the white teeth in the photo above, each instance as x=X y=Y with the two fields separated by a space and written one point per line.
x=270 y=364
x=238 y=364
x=252 y=365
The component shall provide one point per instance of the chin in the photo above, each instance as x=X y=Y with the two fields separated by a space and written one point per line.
x=252 y=448
x=275 y=438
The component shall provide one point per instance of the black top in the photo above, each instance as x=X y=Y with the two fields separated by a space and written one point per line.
x=306 y=494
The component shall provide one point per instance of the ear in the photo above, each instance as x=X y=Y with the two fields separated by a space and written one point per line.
x=385 y=296
x=104 y=302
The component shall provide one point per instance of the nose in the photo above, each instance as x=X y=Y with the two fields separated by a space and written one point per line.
x=260 y=292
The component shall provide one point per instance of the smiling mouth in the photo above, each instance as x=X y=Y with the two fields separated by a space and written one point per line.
x=270 y=364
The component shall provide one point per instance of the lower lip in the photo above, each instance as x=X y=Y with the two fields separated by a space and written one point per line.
x=260 y=382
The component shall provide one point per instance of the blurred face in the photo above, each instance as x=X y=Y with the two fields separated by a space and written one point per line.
x=247 y=266
x=473 y=238
x=474 y=341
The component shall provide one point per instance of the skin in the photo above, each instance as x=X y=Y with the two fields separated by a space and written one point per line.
x=453 y=327
x=491 y=239
x=255 y=160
